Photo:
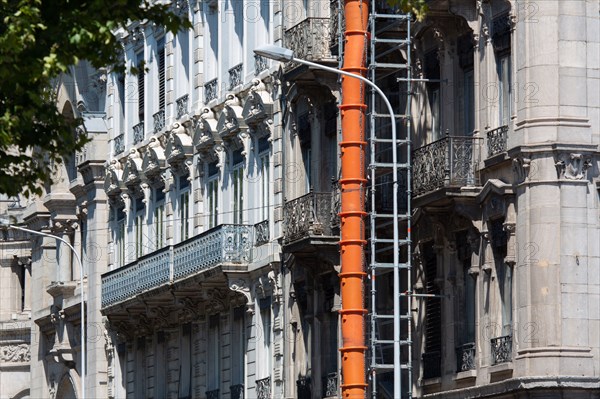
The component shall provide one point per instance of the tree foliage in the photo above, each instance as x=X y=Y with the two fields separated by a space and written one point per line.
x=39 y=40
x=417 y=7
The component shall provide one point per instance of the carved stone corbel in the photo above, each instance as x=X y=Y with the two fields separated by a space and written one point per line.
x=572 y=166
x=242 y=286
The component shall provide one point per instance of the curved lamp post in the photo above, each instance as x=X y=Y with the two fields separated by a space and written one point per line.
x=282 y=54
x=83 y=346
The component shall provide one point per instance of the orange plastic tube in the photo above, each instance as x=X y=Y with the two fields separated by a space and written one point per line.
x=353 y=182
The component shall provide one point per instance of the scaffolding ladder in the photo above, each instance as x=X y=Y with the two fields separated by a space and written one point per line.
x=390 y=349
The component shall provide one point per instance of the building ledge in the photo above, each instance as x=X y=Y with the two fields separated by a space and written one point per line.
x=431 y=382
x=465 y=375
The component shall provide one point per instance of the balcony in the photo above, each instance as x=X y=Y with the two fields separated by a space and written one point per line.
x=261 y=233
x=260 y=64
x=465 y=357
x=501 y=349
x=237 y=391
x=263 y=388
x=225 y=244
x=118 y=144
x=235 y=76
x=449 y=163
x=330 y=385
x=311 y=39
x=159 y=121
x=182 y=105
x=303 y=388
x=138 y=133
x=496 y=141
x=210 y=90
x=310 y=220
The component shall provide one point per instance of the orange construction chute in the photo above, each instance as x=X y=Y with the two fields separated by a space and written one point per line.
x=352 y=215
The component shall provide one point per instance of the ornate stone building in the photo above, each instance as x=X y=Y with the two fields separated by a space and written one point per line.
x=206 y=210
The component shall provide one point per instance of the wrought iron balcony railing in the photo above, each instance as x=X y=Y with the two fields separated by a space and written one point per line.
x=211 y=90
x=330 y=385
x=261 y=233
x=260 y=64
x=214 y=394
x=263 y=388
x=310 y=39
x=224 y=244
x=159 y=120
x=235 y=76
x=138 y=133
x=237 y=391
x=119 y=144
x=465 y=357
x=501 y=349
x=451 y=161
x=182 y=105
x=306 y=216
x=303 y=388
x=496 y=141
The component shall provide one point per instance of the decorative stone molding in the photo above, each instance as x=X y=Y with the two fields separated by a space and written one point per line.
x=113 y=179
x=572 y=166
x=277 y=290
x=231 y=122
x=258 y=107
x=179 y=148
x=242 y=286
x=521 y=168
x=217 y=301
x=15 y=353
x=154 y=162
x=206 y=135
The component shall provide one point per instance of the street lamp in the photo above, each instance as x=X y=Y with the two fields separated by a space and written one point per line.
x=4 y=223
x=282 y=54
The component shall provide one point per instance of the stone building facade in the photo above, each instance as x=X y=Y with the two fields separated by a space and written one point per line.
x=205 y=210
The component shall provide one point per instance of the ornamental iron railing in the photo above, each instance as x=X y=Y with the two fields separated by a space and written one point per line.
x=237 y=391
x=263 y=388
x=465 y=357
x=303 y=388
x=330 y=385
x=224 y=244
x=260 y=64
x=496 y=141
x=214 y=394
x=235 y=76
x=119 y=144
x=261 y=233
x=310 y=39
x=138 y=133
x=501 y=349
x=159 y=120
x=182 y=105
x=451 y=161
x=306 y=216
x=210 y=90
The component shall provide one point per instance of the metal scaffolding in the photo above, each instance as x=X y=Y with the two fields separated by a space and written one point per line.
x=390 y=341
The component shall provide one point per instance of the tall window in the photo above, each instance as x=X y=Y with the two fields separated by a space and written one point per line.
x=265 y=178
x=161 y=75
x=501 y=42
x=432 y=71
x=238 y=194
x=120 y=239
x=469 y=102
x=212 y=195
x=141 y=85
x=159 y=219
x=263 y=349
x=504 y=89
x=139 y=228
x=213 y=366
x=238 y=346
x=184 y=208
x=433 y=316
x=503 y=273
